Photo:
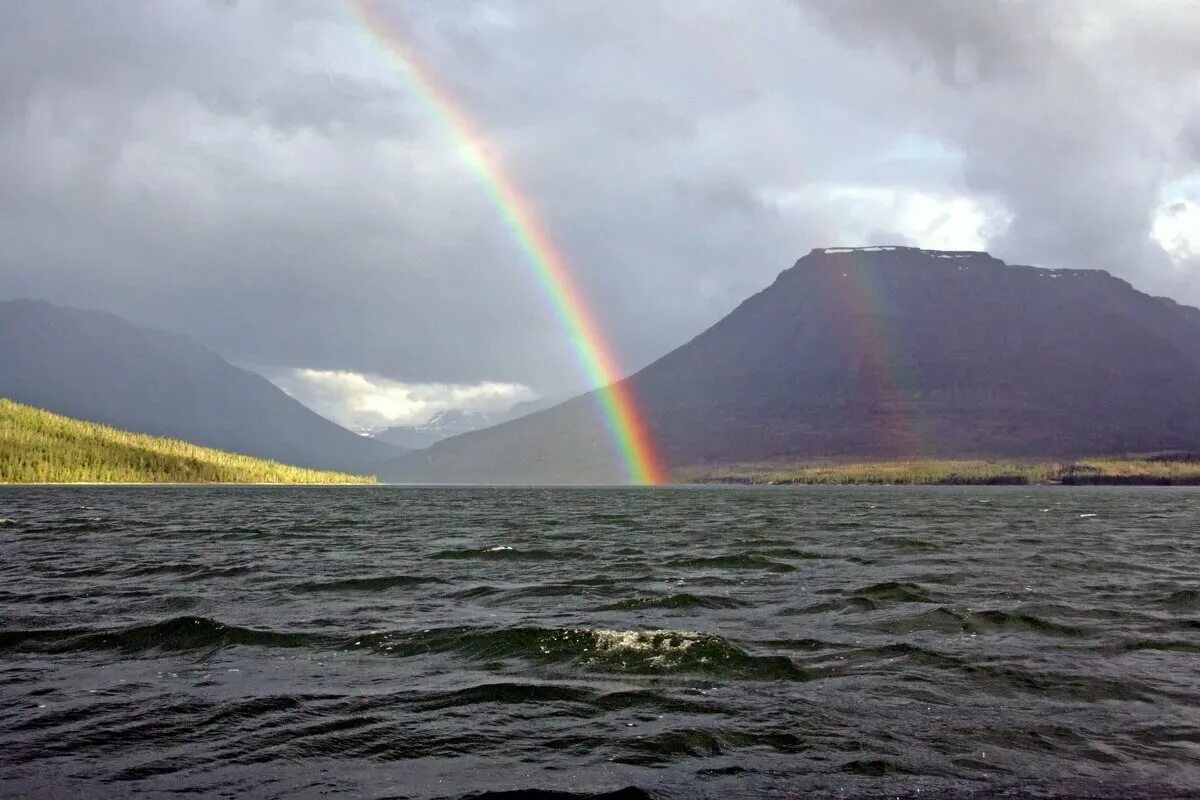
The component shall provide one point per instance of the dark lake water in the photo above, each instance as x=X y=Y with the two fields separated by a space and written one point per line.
x=726 y=642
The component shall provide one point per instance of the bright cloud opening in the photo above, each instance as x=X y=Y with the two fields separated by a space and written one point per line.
x=1177 y=229
x=365 y=402
x=866 y=215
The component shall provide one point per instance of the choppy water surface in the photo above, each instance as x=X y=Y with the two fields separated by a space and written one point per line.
x=693 y=643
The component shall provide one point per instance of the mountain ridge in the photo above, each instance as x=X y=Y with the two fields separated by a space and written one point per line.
x=883 y=352
x=98 y=367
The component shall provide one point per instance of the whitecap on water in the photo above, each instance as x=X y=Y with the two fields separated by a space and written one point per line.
x=645 y=640
x=660 y=648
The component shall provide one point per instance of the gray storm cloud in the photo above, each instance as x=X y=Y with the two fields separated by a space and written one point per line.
x=257 y=175
x=1079 y=115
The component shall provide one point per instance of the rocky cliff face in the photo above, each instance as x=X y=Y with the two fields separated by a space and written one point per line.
x=885 y=352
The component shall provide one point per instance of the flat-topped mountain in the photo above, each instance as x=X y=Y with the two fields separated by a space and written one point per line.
x=97 y=367
x=884 y=352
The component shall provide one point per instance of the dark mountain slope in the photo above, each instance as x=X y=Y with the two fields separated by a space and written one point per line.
x=884 y=352
x=98 y=367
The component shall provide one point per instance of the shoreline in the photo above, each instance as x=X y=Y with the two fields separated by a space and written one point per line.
x=130 y=484
x=1154 y=469
x=1166 y=469
x=1117 y=482
x=708 y=482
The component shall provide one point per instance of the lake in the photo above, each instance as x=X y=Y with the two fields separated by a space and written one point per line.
x=690 y=642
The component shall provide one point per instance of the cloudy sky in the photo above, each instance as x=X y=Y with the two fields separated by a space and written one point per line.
x=259 y=176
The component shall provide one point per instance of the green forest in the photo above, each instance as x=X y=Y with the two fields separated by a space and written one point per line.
x=37 y=446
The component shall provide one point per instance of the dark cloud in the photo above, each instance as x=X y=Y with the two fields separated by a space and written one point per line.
x=258 y=175
x=1076 y=114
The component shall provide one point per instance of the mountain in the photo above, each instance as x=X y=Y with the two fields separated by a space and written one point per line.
x=98 y=367
x=883 y=352
x=453 y=422
x=441 y=425
x=39 y=447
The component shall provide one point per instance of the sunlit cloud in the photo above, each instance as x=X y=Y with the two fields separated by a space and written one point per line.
x=365 y=402
x=1177 y=229
x=867 y=215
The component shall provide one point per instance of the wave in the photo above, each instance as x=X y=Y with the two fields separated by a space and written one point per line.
x=473 y=592
x=806 y=644
x=666 y=747
x=86 y=525
x=629 y=651
x=800 y=555
x=894 y=592
x=738 y=561
x=672 y=601
x=945 y=620
x=1184 y=599
x=845 y=604
x=577 y=588
x=627 y=699
x=996 y=678
x=628 y=793
x=505 y=553
x=1166 y=645
x=375 y=584
x=504 y=693
x=870 y=598
x=1060 y=685
x=907 y=544
x=632 y=651
x=189 y=571
x=877 y=767
x=885 y=655
x=177 y=633
x=996 y=620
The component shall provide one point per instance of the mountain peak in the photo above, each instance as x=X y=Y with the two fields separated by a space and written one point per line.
x=886 y=259
x=898 y=253
x=884 y=352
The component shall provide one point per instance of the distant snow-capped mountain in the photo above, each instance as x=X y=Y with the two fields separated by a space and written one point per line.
x=453 y=422
x=441 y=425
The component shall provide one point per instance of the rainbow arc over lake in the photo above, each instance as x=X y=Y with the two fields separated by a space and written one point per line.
x=546 y=260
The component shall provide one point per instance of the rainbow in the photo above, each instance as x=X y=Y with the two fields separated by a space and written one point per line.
x=863 y=304
x=616 y=400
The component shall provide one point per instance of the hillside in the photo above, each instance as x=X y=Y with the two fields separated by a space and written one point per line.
x=98 y=367
x=39 y=447
x=883 y=353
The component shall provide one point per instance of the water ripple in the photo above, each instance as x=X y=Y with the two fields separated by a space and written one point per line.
x=679 y=643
